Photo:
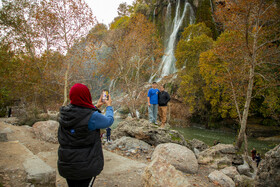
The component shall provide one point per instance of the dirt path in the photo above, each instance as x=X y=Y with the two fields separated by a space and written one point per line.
x=118 y=170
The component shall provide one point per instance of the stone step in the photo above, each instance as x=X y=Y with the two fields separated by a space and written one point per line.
x=17 y=160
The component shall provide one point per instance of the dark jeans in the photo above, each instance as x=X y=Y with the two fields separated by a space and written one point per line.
x=108 y=138
x=80 y=183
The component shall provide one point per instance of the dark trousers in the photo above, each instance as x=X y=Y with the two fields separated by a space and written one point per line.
x=108 y=138
x=80 y=183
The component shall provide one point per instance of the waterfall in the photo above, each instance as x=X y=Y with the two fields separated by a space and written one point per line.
x=112 y=85
x=154 y=16
x=167 y=24
x=167 y=65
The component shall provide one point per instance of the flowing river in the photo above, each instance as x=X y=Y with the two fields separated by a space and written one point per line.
x=209 y=136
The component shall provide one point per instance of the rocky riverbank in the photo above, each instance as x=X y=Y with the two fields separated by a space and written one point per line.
x=140 y=154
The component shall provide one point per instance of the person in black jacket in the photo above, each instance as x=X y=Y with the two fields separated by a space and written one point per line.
x=80 y=156
x=163 y=99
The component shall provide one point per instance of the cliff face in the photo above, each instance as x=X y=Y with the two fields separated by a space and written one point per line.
x=157 y=11
x=160 y=15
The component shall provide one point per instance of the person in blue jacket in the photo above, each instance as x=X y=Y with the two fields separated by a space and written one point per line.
x=153 y=103
x=108 y=134
x=80 y=156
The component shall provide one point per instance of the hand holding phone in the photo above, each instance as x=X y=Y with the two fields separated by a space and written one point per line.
x=105 y=96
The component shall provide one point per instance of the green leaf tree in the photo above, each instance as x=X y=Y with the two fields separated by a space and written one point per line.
x=195 y=40
x=241 y=62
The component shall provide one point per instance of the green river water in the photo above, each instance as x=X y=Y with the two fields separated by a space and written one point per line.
x=209 y=136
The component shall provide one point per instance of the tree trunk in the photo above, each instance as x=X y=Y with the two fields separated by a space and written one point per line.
x=243 y=124
x=66 y=85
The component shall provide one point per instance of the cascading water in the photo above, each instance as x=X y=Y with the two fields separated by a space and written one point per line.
x=167 y=65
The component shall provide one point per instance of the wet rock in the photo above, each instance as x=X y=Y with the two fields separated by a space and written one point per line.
x=221 y=178
x=147 y=132
x=179 y=156
x=269 y=169
x=46 y=130
x=159 y=173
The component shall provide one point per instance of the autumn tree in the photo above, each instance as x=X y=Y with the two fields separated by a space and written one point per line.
x=133 y=48
x=18 y=25
x=74 y=20
x=194 y=40
x=35 y=30
x=244 y=61
x=123 y=10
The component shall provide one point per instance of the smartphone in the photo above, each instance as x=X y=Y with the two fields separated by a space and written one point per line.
x=105 y=95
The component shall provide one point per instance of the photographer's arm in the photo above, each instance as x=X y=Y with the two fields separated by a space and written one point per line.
x=100 y=121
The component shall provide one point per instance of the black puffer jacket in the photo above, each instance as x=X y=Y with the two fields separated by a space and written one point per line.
x=163 y=98
x=80 y=153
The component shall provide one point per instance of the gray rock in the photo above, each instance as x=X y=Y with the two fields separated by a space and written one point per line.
x=46 y=130
x=7 y=130
x=230 y=172
x=242 y=180
x=149 y=133
x=12 y=120
x=38 y=172
x=199 y=145
x=159 y=173
x=112 y=147
x=269 y=169
x=244 y=169
x=3 y=137
x=223 y=162
x=132 y=143
x=221 y=178
x=21 y=163
x=196 y=152
x=179 y=156
x=218 y=156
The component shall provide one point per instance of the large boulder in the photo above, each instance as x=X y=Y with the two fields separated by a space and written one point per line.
x=179 y=156
x=46 y=130
x=220 y=156
x=199 y=145
x=220 y=178
x=269 y=169
x=230 y=172
x=132 y=143
x=242 y=180
x=149 y=133
x=159 y=173
x=244 y=169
